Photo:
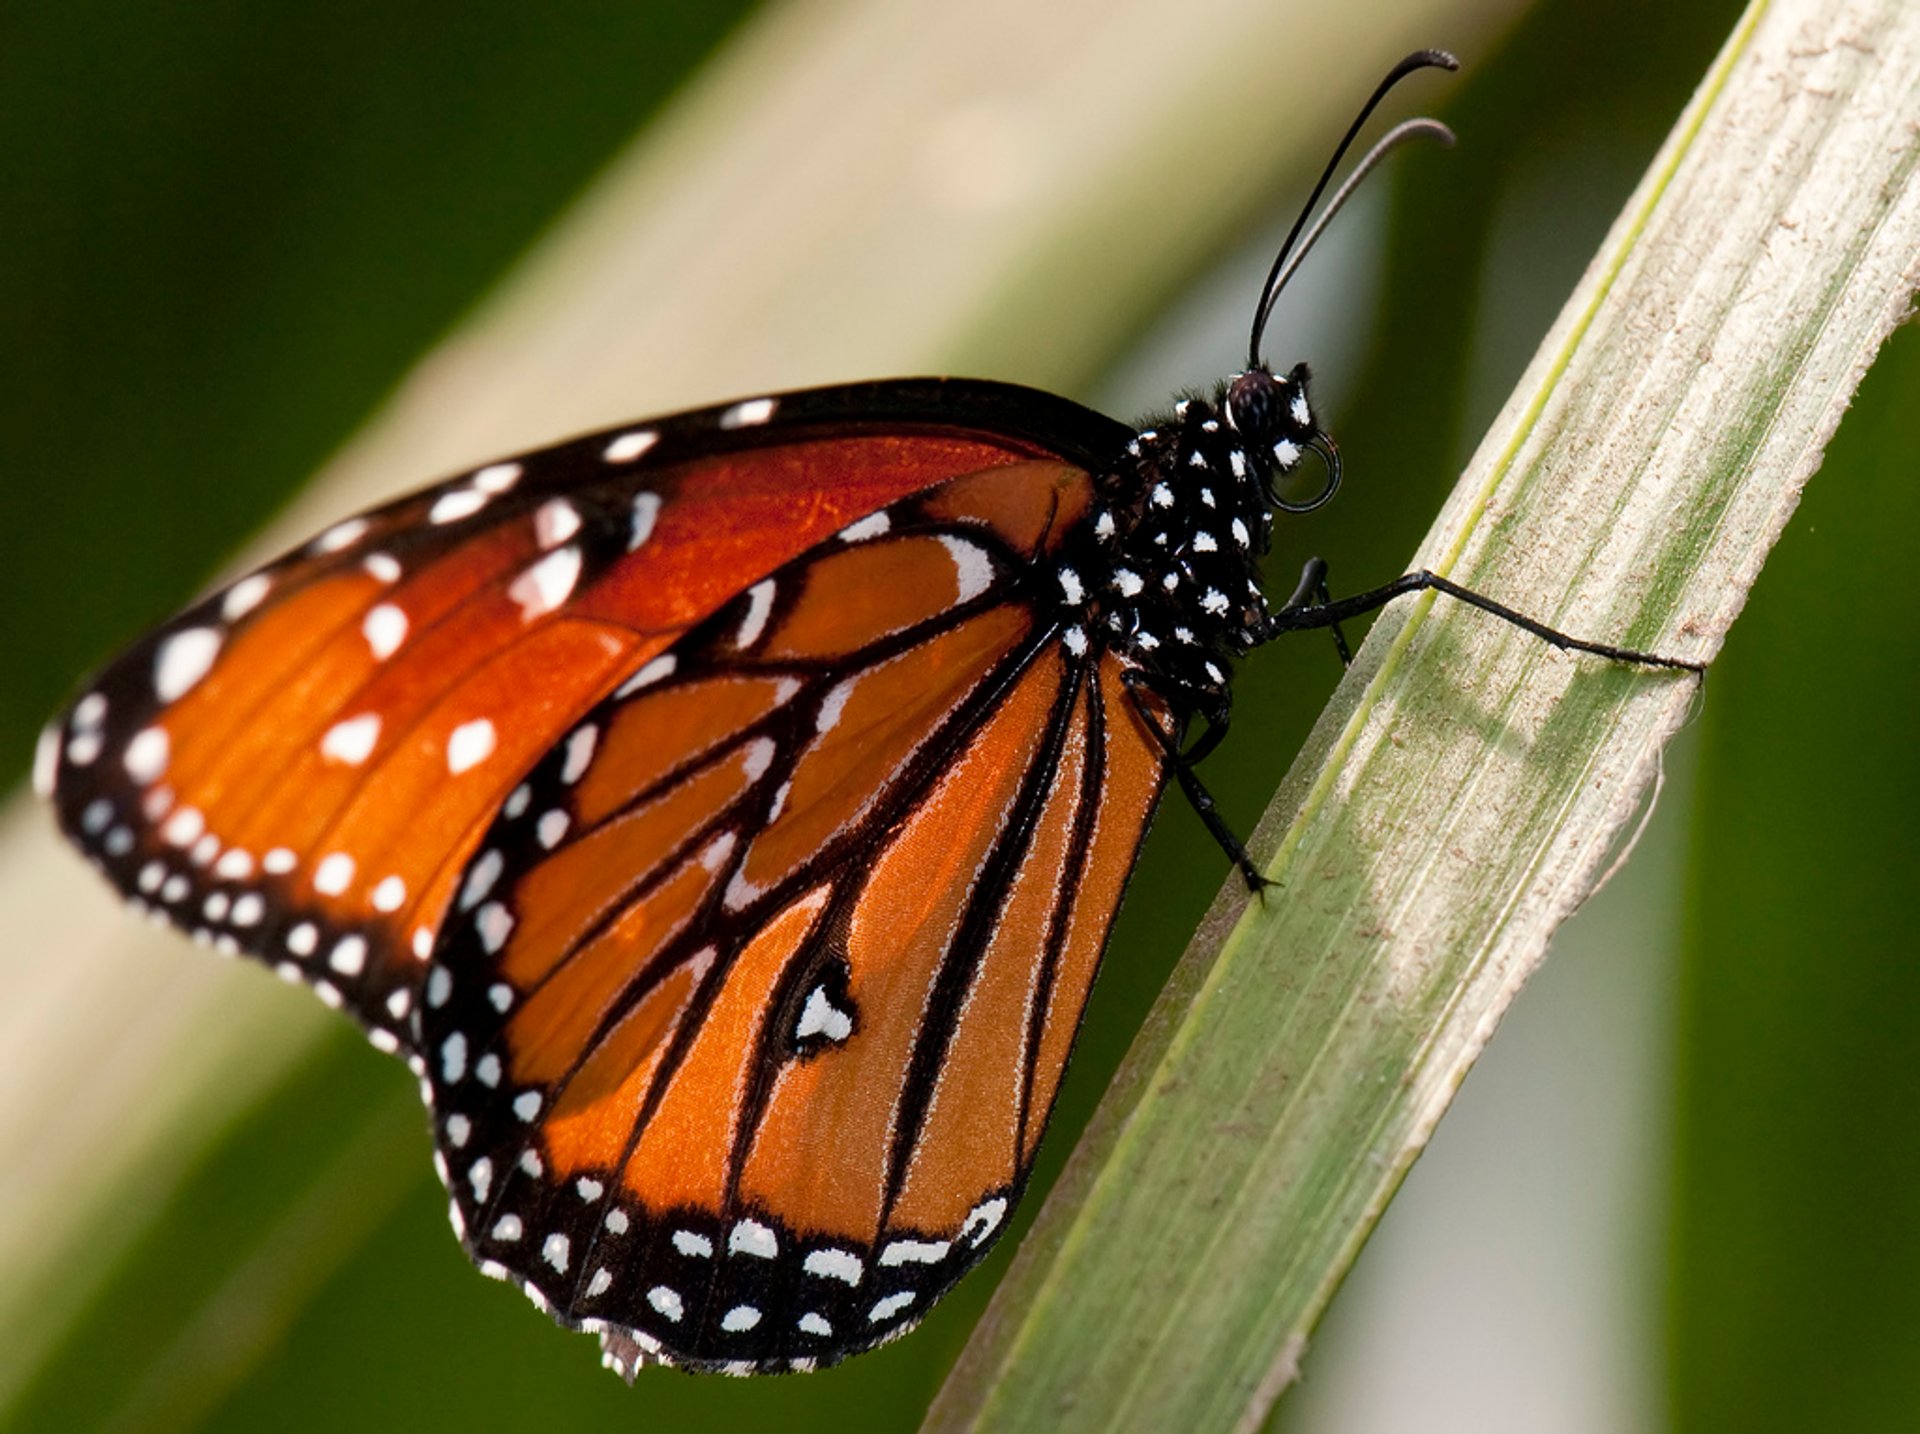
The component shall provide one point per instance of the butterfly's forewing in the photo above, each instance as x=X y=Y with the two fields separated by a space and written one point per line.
x=756 y=997
x=300 y=766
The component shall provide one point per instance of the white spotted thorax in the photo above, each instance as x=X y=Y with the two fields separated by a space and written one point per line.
x=1170 y=579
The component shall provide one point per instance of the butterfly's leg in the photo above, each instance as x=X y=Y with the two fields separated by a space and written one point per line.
x=1215 y=714
x=1312 y=588
x=1327 y=614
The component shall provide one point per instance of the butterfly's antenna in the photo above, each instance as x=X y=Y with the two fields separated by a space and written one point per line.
x=1387 y=143
x=1282 y=269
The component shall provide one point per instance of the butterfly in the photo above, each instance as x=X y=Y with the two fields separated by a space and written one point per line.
x=724 y=815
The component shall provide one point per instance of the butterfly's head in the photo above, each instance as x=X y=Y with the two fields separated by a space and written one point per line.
x=1274 y=420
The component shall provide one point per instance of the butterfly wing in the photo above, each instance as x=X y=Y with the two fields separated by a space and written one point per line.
x=749 y=1016
x=300 y=766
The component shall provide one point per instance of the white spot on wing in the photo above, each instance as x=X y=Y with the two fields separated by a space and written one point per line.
x=147 y=755
x=579 y=753
x=471 y=744
x=833 y=706
x=453 y=1058
x=693 y=1245
x=184 y=827
x=890 y=1306
x=715 y=854
x=749 y=414
x=666 y=1302
x=920 y=1252
x=984 y=1219
x=758 y=757
x=739 y=1319
x=334 y=874
x=383 y=566
x=629 y=446
x=555 y=521
x=545 y=585
x=244 y=596
x=660 y=667
x=972 y=568
x=871 y=526
x=759 y=605
x=497 y=477
x=820 y=1017
x=340 y=535
x=494 y=923
x=646 y=511
x=750 y=1237
x=183 y=659
x=385 y=628
x=833 y=1265
x=353 y=740
x=460 y=503
x=555 y=1252
x=389 y=895
x=349 y=955
x=480 y=878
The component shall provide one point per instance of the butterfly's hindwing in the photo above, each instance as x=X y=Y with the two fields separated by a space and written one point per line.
x=779 y=957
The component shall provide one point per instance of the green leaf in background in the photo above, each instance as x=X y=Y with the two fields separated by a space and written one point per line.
x=227 y=227
x=1795 y=1277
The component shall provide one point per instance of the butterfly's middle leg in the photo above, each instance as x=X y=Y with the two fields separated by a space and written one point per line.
x=1298 y=614
x=1216 y=712
x=1312 y=590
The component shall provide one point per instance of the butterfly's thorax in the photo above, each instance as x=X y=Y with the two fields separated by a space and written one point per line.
x=1169 y=578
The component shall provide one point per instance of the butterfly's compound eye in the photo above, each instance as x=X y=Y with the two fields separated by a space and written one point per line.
x=1256 y=406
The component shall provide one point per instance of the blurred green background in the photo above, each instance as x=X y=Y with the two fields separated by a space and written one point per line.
x=1680 y=1191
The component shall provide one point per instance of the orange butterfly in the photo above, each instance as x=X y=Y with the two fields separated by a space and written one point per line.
x=723 y=815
